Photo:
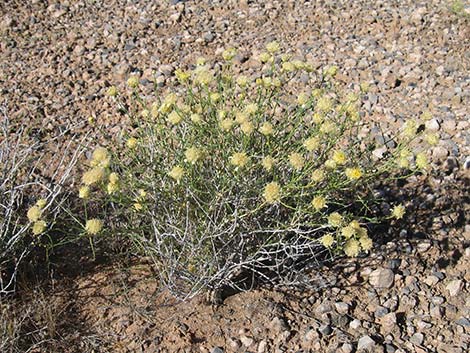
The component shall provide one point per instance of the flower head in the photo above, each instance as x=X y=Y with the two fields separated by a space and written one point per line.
x=34 y=213
x=311 y=144
x=100 y=157
x=93 y=226
x=229 y=54
x=352 y=248
x=266 y=128
x=335 y=219
x=195 y=118
x=242 y=80
x=296 y=160
x=348 y=232
x=93 y=176
x=398 y=211
x=366 y=243
x=193 y=154
x=131 y=143
x=272 y=192
x=265 y=57
x=339 y=157
x=133 y=81
x=251 y=108
x=324 y=104
x=318 y=203
x=327 y=240
x=226 y=124
x=302 y=98
x=247 y=127
x=41 y=203
x=268 y=163
x=353 y=173
x=39 y=227
x=112 y=91
x=84 y=192
x=174 y=117
x=421 y=161
x=177 y=173
x=239 y=159
x=318 y=175
x=273 y=47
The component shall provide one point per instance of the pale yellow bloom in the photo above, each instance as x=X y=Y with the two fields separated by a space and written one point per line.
x=330 y=164
x=318 y=175
x=273 y=47
x=353 y=173
x=177 y=173
x=39 y=227
x=348 y=231
x=239 y=159
x=226 y=124
x=355 y=224
x=229 y=54
x=247 y=127
x=145 y=113
x=215 y=97
x=432 y=139
x=112 y=91
x=311 y=144
x=398 y=211
x=93 y=176
x=242 y=80
x=195 y=118
x=200 y=61
x=268 y=163
x=100 y=157
x=41 y=203
x=335 y=219
x=131 y=143
x=331 y=71
x=366 y=243
x=288 y=67
x=327 y=240
x=339 y=157
x=302 y=98
x=251 y=108
x=317 y=118
x=427 y=115
x=142 y=194
x=364 y=86
x=324 y=104
x=133 y=81
x=318 y=203
x=403 y=163
x=352 y=248
x=265 y=57
x=327 y=127
x=266 y=128
x=203 y=76
x=111 y=188
x=193 y=154
x=182 y=76
x=296 y=160
x=361 y=232
x=93 y=226
x=276 y=82
x=409 y=128
x=84 y=192
x=421 y=161
x=113 y=178
x=174 y=117
x=155 y=110
x=241 y=117
x=272 y=192
x=34 y=213
x=298 y=64
x=138 y=206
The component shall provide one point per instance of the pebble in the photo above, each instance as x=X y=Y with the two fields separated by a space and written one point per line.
x=217 y=350
x=417 y=338
x=463 y=322
x=454 y=287
x=355 y=324
x=342 y=308
x=246 y=341
x=365 y=343
x=381 y=278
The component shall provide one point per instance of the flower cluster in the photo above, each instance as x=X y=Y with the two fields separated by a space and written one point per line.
x=35 y=216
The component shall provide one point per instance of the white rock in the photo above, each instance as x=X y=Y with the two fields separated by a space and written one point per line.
x=366 y=343
x=381 y=278
x=355 y=324
x=247 y=341
x=454 y=287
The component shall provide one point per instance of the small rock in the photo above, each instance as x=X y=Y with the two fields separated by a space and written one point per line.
x=381 y=278
x=433 y=125
x=355 y=324
x=246 y=341
x=454 y=287
x=431 y=280
x=389 y=321
x=417 y=339
x=463 y=322
x=342 y=308
x=311 y=335
x=278 y=324
x=262 y=346
x=365 y=343
x=325 y=330
x=347 y=348
x=217 y=350
x=380 y=311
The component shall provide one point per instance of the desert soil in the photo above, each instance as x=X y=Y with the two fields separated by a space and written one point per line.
x=57 y=60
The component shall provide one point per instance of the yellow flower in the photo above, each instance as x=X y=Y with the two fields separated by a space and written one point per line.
x=247 y=127
x=201 y=61
x=421 y=161
x=113 y=178
x=335 y=219
x=266 y=128
x=131 y=143
x=296 y=160
x=145 y=113
x=176 y=173
x=366 y=243
x=203 y=76
x=174 y=117
x=239 y=159
x=318 y=175
x=193 y=154
x=181 y=75
x=324 y=104
x=352 y=248
x=364 y=86
x=318 y=203
x=327 y=240
x=93 y=226
x=34 y=213
x=353 y=173
x=272 y=192
x=348 y=231
x=327 y=127
x=138 y=206
x=242 y=80
x=112 y=91
x=298 y=64
x=41 y=203
x=93 y=176
x=268 y=163
x=215 y=97
x=226 y=124
x=229 y=54
x=409 y=128
x=355 y=224
x=272 y=47
x=133 y=81
x=84 y=192
x=398 y=211
x=112 y=188
x=317 y=118
x=403 y=163
x=311 y=143
x=195 y=118
x=39 y=227
x=155 y=110
x=427 y=115
x=302 y=98
x=265 y=57
x=432 y=139
x=142 y=194
x=276 y=82
x=288 y=67
x=361 y=232
x=100 y=157
x=331 y=71
x=317 y=92
x=251 y=108
x=330 y=164
x=339 y=157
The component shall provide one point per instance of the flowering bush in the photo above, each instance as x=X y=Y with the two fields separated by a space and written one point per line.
x=225 y=174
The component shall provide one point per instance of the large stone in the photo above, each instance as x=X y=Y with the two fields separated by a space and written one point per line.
x=381 y=278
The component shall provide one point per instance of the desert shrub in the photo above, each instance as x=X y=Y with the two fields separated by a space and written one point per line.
x=29 y=203
x=222 y=177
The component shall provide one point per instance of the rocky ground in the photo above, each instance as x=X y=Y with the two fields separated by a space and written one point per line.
x=57 y=60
